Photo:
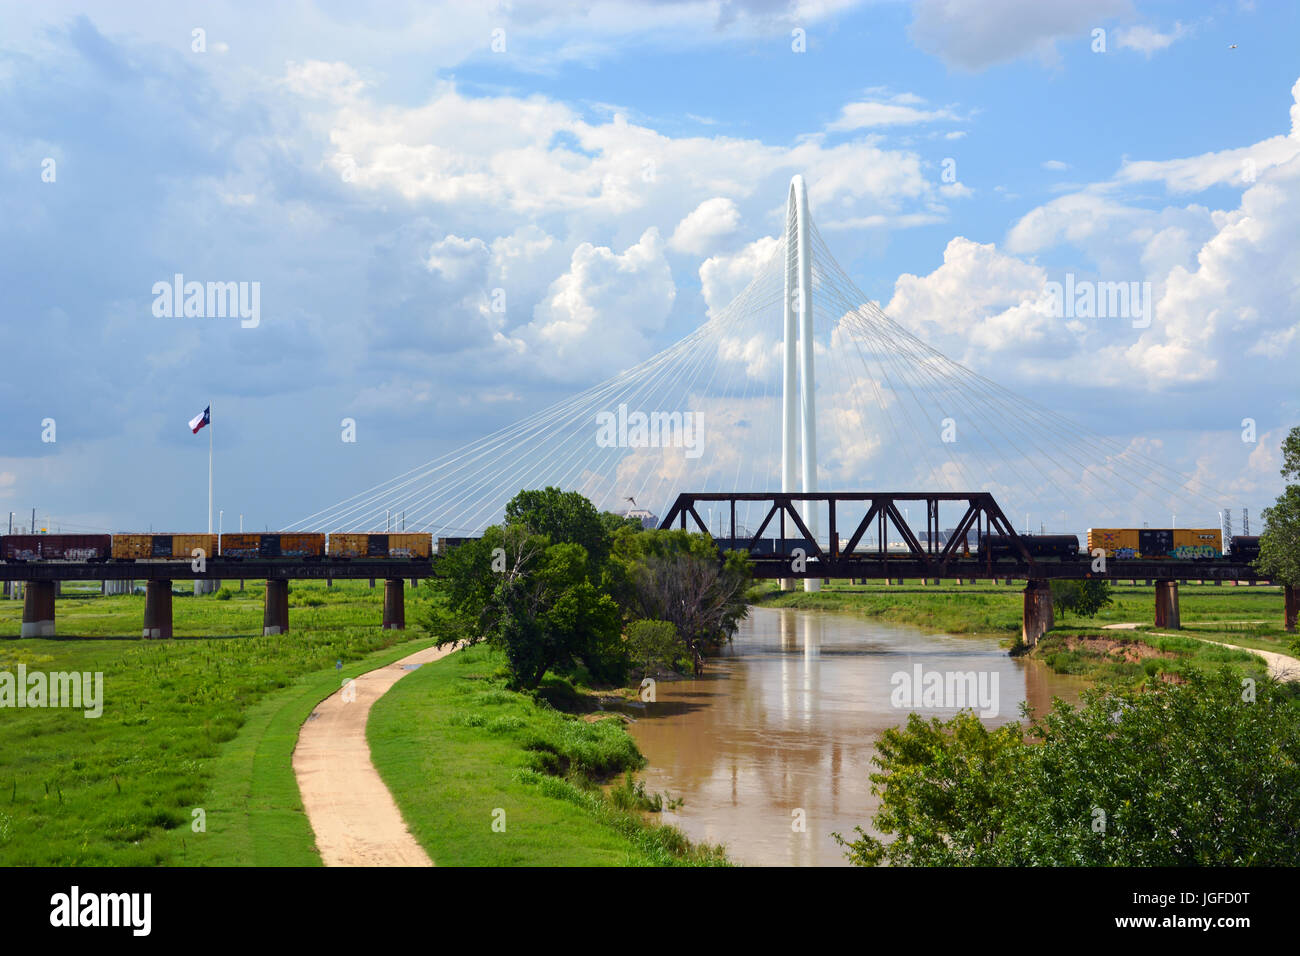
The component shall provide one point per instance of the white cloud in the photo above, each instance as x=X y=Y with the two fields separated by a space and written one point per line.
x=723 y=277
x=1226 y=305
x=598 y=316
x=979 y=299
x=520 y=157
x=457 y=259
x=1055 y=164
x=1147 y=40
x=867 y=114
x=973 y=34
x=711 y=220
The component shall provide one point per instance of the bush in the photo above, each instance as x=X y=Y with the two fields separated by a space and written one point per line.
x=1193 y=774
x=654 y=642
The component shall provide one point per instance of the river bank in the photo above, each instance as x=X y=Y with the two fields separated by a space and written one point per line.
x=486 y=776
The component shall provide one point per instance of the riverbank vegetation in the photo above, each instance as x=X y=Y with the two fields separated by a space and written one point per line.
x=1201 y=773
x=486 y=775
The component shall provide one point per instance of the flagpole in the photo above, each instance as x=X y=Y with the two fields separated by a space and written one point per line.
x=209 y=468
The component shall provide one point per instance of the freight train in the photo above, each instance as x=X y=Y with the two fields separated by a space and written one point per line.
x=300 y=546
x=1180 y=544
x=1115 y=543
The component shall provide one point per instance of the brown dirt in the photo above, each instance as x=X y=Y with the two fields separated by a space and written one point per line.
x=1129 y=651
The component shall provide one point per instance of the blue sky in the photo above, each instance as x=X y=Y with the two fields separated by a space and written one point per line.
x=378 y=173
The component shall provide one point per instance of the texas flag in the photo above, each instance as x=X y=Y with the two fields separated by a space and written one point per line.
x=203 y=418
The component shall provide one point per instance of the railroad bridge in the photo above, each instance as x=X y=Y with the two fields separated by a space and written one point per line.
x=858 y=548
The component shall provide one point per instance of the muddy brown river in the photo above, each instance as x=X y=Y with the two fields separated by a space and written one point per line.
x=771 y=749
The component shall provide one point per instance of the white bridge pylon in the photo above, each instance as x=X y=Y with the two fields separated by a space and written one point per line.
x=798 y=316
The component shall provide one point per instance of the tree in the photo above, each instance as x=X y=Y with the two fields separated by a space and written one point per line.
x=1279 y=543
x=1082 y=597
x=653 y=642
x=533 y=600
x=679 y=577
x=1201 y=773
x=564 y=517
x=1291 y=454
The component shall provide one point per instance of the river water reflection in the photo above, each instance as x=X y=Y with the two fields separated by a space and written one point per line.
x=787 y=719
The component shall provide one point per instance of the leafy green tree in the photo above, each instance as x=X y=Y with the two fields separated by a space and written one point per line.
x=1279 y=543
x=679 y=577
x=1291 y=454
x=612 y=523
x=564 y=517
x=1083 y=597
x=533 y=600
x=653 y=642
x=1201 y=773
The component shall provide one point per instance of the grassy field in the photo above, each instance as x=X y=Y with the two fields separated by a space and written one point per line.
x=1246 y=616
x=197 y=722
x=202 y=723
x=459 y=753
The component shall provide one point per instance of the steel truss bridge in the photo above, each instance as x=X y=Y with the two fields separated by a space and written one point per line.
x=839 y=557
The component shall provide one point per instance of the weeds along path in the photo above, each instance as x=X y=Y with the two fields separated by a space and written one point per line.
x=1280 y=666
x=351 y=811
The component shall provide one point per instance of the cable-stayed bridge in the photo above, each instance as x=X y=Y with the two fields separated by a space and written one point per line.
x=799 y=383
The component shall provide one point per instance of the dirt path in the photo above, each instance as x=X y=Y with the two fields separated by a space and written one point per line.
x=1280 y=666
x=353 y=814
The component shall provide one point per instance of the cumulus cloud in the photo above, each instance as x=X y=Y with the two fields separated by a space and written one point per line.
x=723 y=277
x=980 y=299
x=710 y=221
x=599 y=315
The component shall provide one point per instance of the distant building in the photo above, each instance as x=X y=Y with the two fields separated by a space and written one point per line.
x=647 y=519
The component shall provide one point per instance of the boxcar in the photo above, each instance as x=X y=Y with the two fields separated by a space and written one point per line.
x=277 y=545
x=162 y=547
x=390 y=546
x=55 y=547
x=1181 y=543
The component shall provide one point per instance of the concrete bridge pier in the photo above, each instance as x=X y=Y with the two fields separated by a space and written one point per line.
x=1292 y=606
x=157 y=610
x=1167 y=605
x=38 y=610
x=394 y=604
x=1037 y=618
x=275 y=608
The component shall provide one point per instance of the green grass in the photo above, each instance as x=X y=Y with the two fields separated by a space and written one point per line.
x=254 y=811
x=456 y=749
x=195 y=722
